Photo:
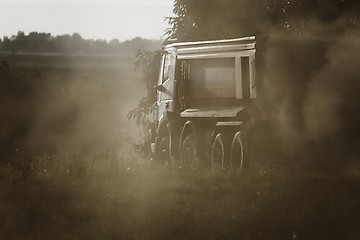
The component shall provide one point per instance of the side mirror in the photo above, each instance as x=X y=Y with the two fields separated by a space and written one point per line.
x=161 y=88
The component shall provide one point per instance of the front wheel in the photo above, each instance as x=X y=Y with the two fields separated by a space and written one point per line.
x=163 y=154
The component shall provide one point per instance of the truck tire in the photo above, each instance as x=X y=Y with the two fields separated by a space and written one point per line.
x=163 y=154
x=219 y=153
x=237 y=152
x=188 y=153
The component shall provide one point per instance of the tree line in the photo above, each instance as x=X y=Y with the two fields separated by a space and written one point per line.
x=38 y=42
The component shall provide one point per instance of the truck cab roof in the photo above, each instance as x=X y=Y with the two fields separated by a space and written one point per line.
x=224 y=45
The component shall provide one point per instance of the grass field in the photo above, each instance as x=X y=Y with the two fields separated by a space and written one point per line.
x=68 y=171
x=143 y=202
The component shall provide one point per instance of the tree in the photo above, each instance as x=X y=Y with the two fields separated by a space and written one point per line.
x=212 y=19
x=294 y=14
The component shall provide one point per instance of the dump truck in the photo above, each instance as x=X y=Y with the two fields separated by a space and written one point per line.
x=247 y=101
x=206 y=104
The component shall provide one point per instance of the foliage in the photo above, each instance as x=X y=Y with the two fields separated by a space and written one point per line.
x=200 y=20
x=36 y=42
x=211 y=19
x=148 y=63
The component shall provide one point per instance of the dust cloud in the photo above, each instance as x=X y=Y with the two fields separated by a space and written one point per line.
x=312 y=82
x=67 y=108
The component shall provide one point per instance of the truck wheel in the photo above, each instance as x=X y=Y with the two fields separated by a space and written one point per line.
x=188 y=152
x=219 y=153
x=237 y=152
x=163 y=155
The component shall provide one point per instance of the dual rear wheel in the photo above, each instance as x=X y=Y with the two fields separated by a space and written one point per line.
x=227 y=153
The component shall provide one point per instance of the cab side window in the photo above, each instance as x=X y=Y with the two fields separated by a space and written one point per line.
x=166 y=70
